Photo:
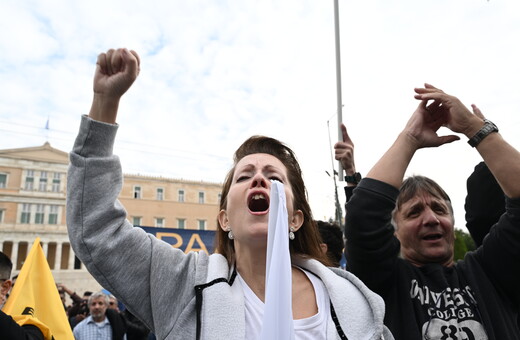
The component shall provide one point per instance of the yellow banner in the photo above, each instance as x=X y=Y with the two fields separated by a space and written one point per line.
x=35 y=294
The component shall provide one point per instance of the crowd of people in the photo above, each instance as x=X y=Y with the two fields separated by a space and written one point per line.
x=401 y=279
x=98 y=316
x=93 y=316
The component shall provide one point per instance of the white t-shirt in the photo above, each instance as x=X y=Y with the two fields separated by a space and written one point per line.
x=311 y=328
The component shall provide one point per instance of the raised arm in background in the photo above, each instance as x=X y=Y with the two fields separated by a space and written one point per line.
x=344 y=152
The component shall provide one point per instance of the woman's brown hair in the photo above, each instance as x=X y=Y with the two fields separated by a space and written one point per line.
x=307 y=239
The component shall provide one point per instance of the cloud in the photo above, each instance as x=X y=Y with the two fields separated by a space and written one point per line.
x=214 y=73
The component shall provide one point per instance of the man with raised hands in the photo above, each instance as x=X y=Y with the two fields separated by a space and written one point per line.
x=400 y=234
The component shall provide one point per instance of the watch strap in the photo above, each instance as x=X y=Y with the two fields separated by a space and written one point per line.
x=355 y=178
x=485 y=131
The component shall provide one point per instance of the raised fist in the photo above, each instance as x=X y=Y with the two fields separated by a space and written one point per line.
x=116 y=71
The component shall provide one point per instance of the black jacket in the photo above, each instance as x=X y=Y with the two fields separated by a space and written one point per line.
x=485 y=202
x=117 y=323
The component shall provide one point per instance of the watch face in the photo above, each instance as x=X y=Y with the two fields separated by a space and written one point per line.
x=355 y=178
x=488 y=128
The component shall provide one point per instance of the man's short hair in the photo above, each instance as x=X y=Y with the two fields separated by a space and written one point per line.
x=96 y=295
x=6 y=266
x=414 y=185
x=332 y=235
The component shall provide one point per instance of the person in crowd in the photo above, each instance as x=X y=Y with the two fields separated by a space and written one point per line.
x=344 y=152
x=400 y=235
x=97 y=326
x=76 y=299
x=485 y=203
x=332 y=241
x=196 y=296
x=79 y=309
x=113 y=304
x=9 y=328
x=6 y=266
x=63 y=298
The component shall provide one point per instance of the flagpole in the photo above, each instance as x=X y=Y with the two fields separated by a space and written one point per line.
x=47 y=129
x=338 y=82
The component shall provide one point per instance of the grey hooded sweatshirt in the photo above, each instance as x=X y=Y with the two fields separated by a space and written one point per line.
x=178 y=295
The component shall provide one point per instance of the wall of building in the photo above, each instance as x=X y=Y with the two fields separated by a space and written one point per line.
x=171 y=207
x=46 y=168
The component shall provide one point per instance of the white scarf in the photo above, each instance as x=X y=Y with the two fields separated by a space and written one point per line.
x=278 y=317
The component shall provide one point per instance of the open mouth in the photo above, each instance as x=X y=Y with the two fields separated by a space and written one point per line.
x=432 y=237
x=258 y=202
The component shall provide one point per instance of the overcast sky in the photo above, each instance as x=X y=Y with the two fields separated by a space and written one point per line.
x=216 y=72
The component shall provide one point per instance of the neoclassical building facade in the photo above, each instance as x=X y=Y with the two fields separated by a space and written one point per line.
x=32 y=204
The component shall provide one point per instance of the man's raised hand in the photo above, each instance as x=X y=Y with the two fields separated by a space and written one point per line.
x=458 y=118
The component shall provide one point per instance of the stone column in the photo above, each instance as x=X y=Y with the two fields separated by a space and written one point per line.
x=57 y=260
x=71 y=259
x=45 y=246
x=14 y=254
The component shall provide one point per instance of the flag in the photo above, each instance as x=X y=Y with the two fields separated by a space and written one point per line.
x=35 y=293
x=47 y=124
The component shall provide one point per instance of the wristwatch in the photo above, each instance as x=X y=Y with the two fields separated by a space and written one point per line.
x=355 y=178
x=488 y=128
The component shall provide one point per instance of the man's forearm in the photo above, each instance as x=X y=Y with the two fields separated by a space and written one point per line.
x=504 y=162
x=392 y=166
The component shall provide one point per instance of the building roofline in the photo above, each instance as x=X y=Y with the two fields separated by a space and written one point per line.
x=17 y=153
x=170 y=179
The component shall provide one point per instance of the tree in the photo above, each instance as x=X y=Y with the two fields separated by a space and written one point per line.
x=463 y=244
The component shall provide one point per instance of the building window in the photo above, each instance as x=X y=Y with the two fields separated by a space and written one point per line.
x=160 y=194
x=26 y=213
x=201 y=197
x=43 y=181
x=39 y=217
x=202 y=224
x=136 y=220
x=219 y=197
x=56 y=181
x=159 y=222
x=181 y=195
x=137 y=192
x=181 y=223
x=3 y=181
x=29 y=180
x=1 y=216
x=53 y=214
